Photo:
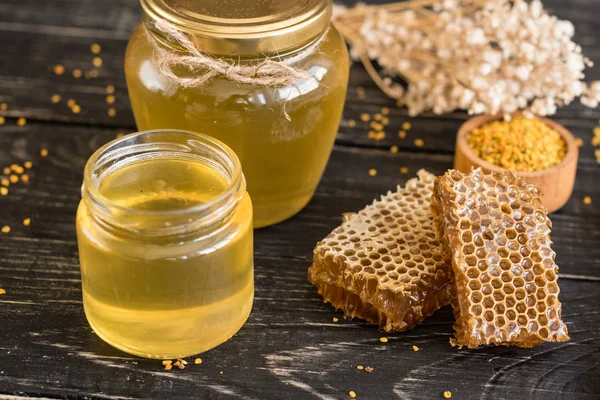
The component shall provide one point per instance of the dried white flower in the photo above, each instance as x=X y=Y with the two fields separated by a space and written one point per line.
x=486 y=57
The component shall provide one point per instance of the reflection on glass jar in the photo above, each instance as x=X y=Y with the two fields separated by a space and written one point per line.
x=282 y=135
x=166 y=244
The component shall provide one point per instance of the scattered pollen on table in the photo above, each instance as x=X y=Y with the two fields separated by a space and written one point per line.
x=111 y=112
x=91 y=74
x=335 y=319
x=361 y=93
x=28 y=164
x=447 y=394
x=351 y=123
x=17 y=168
x=25 y=178
x=587 y=200
x=44 y=152
x=5 y=181
x=3 y=106
x=372 y=172
x=198 y=361
x=404 y=170
x=3 y=191
x=415 y=348
x=383 y=339
x=168 y=367
x=378 y=117
x=59 y=69
x=419 y=142
x=71 y=103
x=360 y=367
x=27 y=221
x=406 y=126
x=76 y=109
x=352 y=394
x=97 y=61
x=579 y=142
x=220 y=372
x=95 y=48
x=55 y=98
x=368 y=369
x=2 y=120
x=77 y=73
x=385 y=111
x=110 y=99
x=385 y=121
x=394 y=149
x=110 y=89
x=377 y=126
x=2 y=291
x=21 y=121
x=365 y=117
x=6 y=229
x=167 y=362
x=402 y=134
x=13 y=179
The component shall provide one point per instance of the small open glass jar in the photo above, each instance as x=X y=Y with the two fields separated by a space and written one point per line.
x=165 y=240
x=283 y=134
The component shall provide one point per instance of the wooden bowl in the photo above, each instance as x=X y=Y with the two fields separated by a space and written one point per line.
x=556 y=183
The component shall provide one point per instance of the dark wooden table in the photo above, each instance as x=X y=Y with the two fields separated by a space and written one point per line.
x=290 y=348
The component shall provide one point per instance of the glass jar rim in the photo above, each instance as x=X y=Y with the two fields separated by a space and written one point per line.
x=245 y=31
x=133 y=144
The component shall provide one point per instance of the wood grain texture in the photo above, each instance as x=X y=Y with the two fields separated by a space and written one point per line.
x=290 y=348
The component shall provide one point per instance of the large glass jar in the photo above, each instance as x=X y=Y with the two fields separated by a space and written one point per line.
x=282 y=135
x=165 y=240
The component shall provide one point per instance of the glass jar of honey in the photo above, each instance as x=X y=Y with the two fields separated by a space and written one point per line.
x=165 y=240
x=283 y=132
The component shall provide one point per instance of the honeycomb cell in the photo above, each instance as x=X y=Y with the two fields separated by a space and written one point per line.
x=515 y=288
x=510 y=301
x=471 y=261
x=473 y=273
x=499 y=308
x=515 y=257
x=393 y=272
x=518 y=282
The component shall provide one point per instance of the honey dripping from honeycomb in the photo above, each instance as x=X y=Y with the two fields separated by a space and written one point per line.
x=505 y=276
x=384 y=263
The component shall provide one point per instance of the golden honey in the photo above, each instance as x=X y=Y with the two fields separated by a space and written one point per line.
x=282 y=135
x=166 y=244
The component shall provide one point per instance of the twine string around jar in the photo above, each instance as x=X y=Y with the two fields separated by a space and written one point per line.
x=203 y=67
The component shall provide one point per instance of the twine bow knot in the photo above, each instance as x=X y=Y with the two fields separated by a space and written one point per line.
x=203 y=67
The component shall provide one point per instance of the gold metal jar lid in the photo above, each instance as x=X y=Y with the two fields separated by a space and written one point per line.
x=243 y=27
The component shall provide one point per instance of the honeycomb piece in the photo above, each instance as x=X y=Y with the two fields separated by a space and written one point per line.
x=384 y=263
x=498 y=232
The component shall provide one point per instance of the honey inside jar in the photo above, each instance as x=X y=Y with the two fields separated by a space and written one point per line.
x=167 y=271
x=282 y=135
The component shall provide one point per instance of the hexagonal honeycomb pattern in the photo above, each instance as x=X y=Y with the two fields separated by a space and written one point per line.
x=384 y=263
x=498 y=232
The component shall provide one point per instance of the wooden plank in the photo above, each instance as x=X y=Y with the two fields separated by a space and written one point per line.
x=290 y=348
x=47 y=45
x=52 y=195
